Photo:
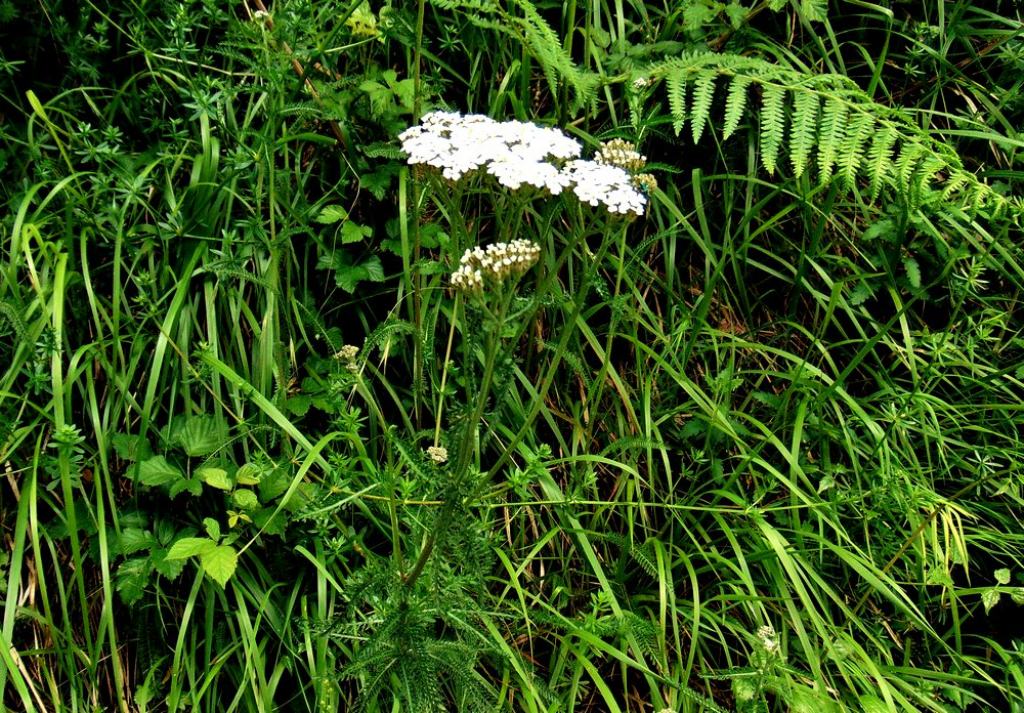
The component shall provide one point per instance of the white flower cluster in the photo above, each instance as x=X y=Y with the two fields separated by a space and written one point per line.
x=623 y=154
x=769 y=639
x=438 y=454
x=519 y=153
x=514 y=152
x=494 y=264
x=600 y=183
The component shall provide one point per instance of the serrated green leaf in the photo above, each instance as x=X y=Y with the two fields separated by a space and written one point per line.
x=220 y=563
x=298 y=405
x=158 y=471
x=354 y=232
x=913 y=270
x=131 y=448
x=193 y=486
x=1002 y=575
x=215 y=478
x=331 y=214
x=989 y=598
x=374 y=268
x=273 y=485
x=676 y=85
x=265 y=520
x=248 y=474
x=212 y=528
x=190 y=547
x=245 y=499
x=167 y=568
x=1017 y=595
x=133 y=539
x=860 y=294
x=199 y=435
x=803 y=132
x=132 y=578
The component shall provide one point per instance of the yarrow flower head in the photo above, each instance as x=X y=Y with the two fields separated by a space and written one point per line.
x=518 y=154
x=514 y=152
x=621 y=153
x=603 y=184
x=769 y=639
x=438 y=454
x=348 y=354
x=493 y=265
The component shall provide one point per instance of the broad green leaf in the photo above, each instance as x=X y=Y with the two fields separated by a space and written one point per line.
x=212 y=528
x=158 y=471
x=132 y=578
x=332 y=214
x=220 y=563
x=194 y=486
x=168 y=568
x=989 y=598
x=374 y=268
x=131 y=448
x=248 y=474
x=354 y=232
x=215 y=477
x=190 y=547
x=245 y=499
x=199 y=435
x=274 y=484
x=133 y=539
x=1002 y=576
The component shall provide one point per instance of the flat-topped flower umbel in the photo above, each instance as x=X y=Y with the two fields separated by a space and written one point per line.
x=519 y=153
x=494 y=264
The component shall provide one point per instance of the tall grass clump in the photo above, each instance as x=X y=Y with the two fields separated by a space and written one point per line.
x=509 y=355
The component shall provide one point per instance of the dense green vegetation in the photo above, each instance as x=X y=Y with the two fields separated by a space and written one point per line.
x=757 y=449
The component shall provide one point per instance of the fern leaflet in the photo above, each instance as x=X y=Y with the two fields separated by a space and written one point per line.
x=880 y=159
x=677 y=101
x=830 y=136
x=703 y=94
x=803 y=131
x=852 y=153
x=735 y=102
x=773 y=125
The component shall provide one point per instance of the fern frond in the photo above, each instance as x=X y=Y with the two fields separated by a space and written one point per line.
x=831 y=115
x=735 y=103
x=907 y=163
x=13 y=316
x=703 y=95
x=831 y=135
x=852 y=153
x=879 y=159
x=677 y=100
x=773 y=125
x=804 y=130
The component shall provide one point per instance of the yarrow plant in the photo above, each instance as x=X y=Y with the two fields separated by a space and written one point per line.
x=519 y=153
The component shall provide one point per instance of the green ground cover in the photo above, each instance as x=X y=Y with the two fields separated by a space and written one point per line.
x=751 y=443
